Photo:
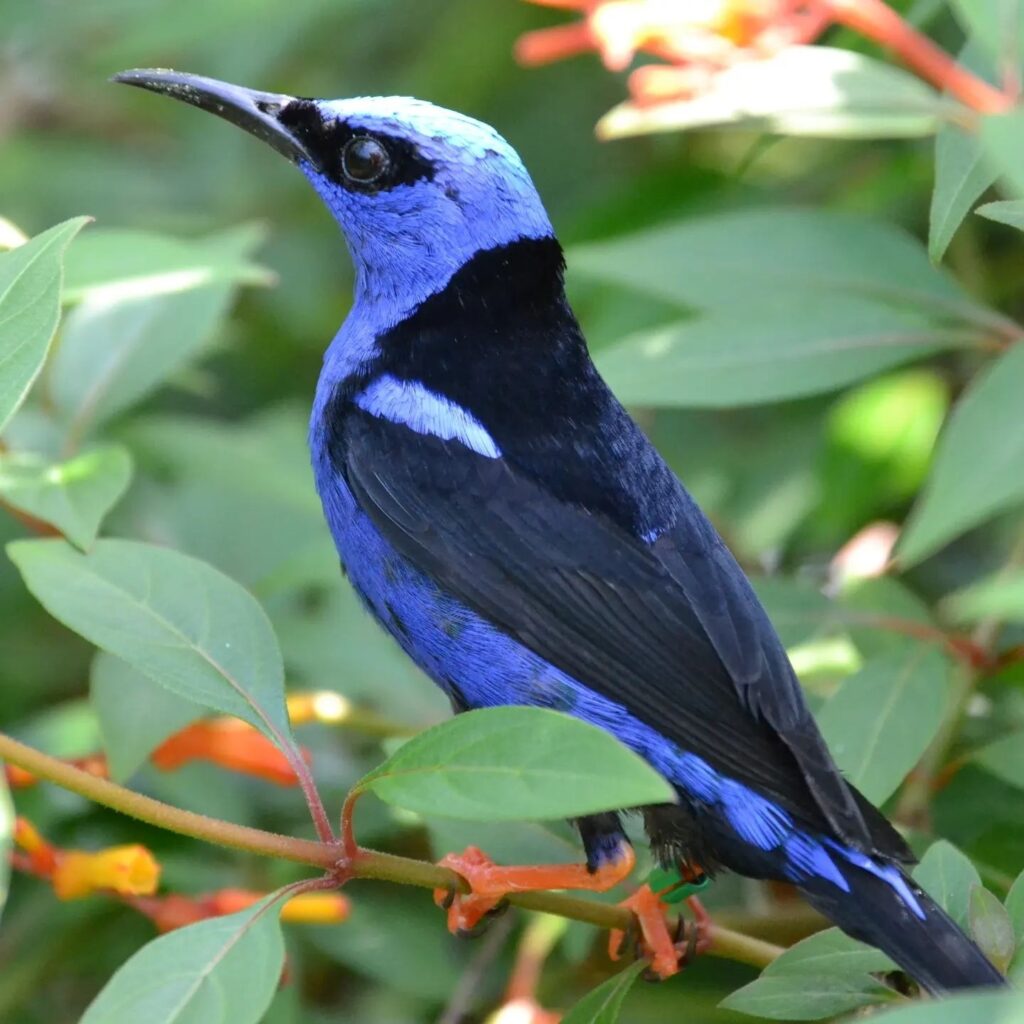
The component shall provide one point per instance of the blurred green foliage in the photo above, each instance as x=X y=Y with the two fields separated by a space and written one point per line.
x=756 y=303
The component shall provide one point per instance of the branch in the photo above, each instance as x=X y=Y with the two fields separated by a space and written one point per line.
x=367 y=864
x=156 y=812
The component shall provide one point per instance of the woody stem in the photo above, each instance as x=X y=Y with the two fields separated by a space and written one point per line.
x=367 y=864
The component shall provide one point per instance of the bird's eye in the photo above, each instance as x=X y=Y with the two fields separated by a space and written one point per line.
x=364 y=160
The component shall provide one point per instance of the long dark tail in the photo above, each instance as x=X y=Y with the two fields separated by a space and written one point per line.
x=897 y=916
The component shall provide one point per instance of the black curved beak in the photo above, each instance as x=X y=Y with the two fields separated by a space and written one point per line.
x=255 y=112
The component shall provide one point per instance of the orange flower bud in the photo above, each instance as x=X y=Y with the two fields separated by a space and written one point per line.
x=129 y=870
x=94 y=764
x=42 y=857
x=19 y=778
x=173 y=911
x=27 y=837
x=227 y=742
x=230 y=901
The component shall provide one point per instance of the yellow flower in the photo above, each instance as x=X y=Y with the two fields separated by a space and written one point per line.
x=306 y=908
x=316 y=908
x=129 y=870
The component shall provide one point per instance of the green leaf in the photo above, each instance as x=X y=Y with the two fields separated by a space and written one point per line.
x=118 y=263
x=805 y=996
x=999 y=1007
x=802 y=90
x=30 y=287
x=515 y=763
x=73 y=496
x=977 y=461
x=830 y=952
x=1009 y=212
x=174 y=618
x=119 y=346
x=995 y=25
x=880 y=441
x=867 y=604
x=225 y=969
x=962 y=174
x=768 y=259
x=743 y=357
x=991 y=927
x=1015 y=908
x=1002 y=135
x=881 y=720
x=6 y=836
x=135 y=714
x=948 y=876
x=1000 y=596
x=1004 y=758
x=604 y=1003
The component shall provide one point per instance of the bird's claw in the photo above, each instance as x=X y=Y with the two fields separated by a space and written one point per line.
x=669 y=951
x=468 y=913
x=489 y=916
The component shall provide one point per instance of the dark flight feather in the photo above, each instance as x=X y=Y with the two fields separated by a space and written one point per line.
x=642 y=624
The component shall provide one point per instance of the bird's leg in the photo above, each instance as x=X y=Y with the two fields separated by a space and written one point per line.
x=668 y=952
x=489 y=883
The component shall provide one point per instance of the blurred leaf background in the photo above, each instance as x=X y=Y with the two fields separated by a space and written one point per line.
x=756 y=300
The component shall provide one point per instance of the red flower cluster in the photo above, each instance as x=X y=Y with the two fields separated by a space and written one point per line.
x=696 y=39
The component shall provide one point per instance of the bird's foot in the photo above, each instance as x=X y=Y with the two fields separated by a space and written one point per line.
x=701 y=931
x=668 y=950
x=490 y=883
x=654 y=939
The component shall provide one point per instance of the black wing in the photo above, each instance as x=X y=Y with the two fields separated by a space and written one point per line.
x=671 y=630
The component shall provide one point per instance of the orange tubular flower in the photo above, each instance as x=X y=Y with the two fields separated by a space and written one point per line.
x=127 y=870
x=699 y=38
x=42 y=857
x=227 y=742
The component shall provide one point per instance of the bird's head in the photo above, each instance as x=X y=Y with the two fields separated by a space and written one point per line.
x=417 y=189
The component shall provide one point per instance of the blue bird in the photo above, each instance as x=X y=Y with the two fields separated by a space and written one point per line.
x=507 y=522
